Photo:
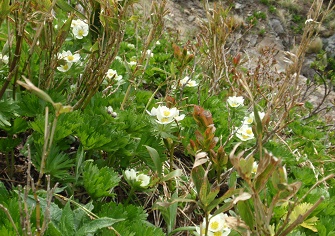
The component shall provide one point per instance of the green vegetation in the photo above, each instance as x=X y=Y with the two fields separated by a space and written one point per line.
x=120 y=128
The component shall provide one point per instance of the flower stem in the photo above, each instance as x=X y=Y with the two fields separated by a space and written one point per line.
x=132 y=191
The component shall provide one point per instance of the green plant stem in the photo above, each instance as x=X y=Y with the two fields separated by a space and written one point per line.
x=10 y=218
x=131 y=194
x=125 y=98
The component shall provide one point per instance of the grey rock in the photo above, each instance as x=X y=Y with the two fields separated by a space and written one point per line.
x=277 y=26
x=191 y=18
x=330 y=46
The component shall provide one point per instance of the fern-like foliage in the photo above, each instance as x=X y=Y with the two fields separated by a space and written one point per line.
x=8 y=110
x=57 y=164
x=135 y=220
x=99 y=182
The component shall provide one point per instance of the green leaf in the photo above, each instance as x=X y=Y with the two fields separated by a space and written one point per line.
x=53 y=230
x=156 y=159
x=99 y=182
x=197 y=175
x=66 y=225
x=266 y=167
x=172 y=174
x=96 y=224
x=186 y=228
x=258 y=121
x=80 y=157
x=245 y=211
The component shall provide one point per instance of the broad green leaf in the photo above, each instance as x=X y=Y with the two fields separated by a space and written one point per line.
x=245 y=211
x=197 y=175
x=96 y=224
x=156 y=159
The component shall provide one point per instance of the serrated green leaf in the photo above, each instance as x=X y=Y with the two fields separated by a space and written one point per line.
x=96 y=224
x=66 y=225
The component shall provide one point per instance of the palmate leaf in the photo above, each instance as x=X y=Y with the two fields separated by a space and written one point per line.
x=135 y=220
x=99 y=182
x=301 y=209
x=57 y=164
x=8 y=110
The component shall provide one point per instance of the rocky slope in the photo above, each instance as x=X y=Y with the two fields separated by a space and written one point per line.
x=279 y=25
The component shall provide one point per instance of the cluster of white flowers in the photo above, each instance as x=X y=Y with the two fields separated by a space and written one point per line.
x=131 y=46
x=132 y=175
x=188 y=82
x=245 y=131
x=110 y=111
x=112 y=74
x=235 y=101
x=69 y=59
x=4 y=58
x=166 y=115
x=79 y=28
x=149 y=53
x=217 y=226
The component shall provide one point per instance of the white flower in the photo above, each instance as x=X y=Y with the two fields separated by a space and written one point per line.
x=111 y=73
x=65 y=67
x=235 y=101
x=217 y=226
x=254 y=167
x=165 y=115
x=216 y=223
x=79 y=28
x=310 y=21
x=158 y=43
x=118 y=58
x=245 y=133
x=130 y=174
x=110 y=111
x=4 y=58
x=143 y=179
x=132 y=63
x=69 y=57
x=188 y=82
x=149 y=53
x=73 y=87
x=250 y=119
x=130 y=45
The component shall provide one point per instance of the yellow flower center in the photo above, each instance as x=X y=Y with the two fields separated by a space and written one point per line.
x=214 y=225
x=249 y=131
x=245 y=136
x=164 y=120
x=70 y=57
x=166 y=113
x=65 y=67
x=81 y=32
x=219 y=233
